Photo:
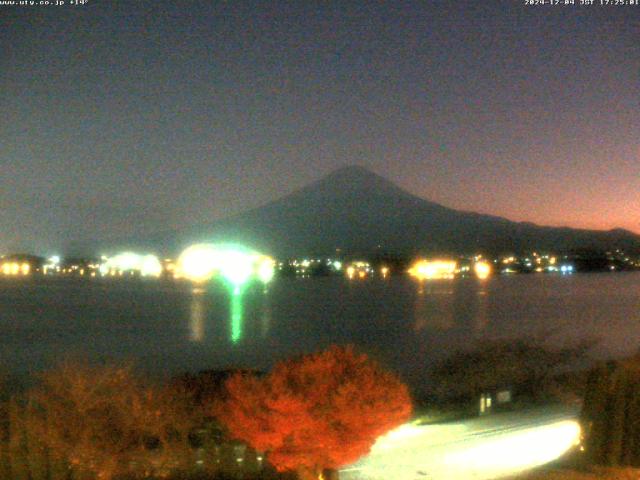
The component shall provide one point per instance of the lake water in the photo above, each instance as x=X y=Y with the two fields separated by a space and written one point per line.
x=171 y=327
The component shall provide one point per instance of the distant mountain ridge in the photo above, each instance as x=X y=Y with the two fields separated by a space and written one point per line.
x=360 y=212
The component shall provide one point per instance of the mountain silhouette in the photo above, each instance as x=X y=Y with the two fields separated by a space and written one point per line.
x=360 y=212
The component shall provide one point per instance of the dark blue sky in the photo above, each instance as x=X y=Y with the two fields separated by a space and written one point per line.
x=127 y=117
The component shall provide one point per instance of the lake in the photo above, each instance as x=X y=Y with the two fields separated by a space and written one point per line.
x=167 y=327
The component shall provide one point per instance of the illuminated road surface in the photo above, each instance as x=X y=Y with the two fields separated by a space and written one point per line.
x=493 y=446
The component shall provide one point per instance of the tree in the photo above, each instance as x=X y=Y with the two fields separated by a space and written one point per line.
x=611 y=413
x=103 y=422
x=318 y=411
x=526 y=365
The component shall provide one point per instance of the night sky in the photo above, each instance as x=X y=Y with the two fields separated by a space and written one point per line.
x=124 y=118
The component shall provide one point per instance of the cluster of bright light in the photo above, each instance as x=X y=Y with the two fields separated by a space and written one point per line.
x=129 y=262
x=236 y=266
x=307 y=266
x=434 y=269
x=537 y=262
x=358 y=270
x=54 y=267
x=540 y=267
x=53 y=263
x=482 y=270
x=150 y=266
x=15 y=268
x=200 y=263
x=266 y=269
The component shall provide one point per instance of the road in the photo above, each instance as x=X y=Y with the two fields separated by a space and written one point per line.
x=493 y=446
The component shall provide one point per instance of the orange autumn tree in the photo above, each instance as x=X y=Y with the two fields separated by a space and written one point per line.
x=315 y=412
x=104 y=421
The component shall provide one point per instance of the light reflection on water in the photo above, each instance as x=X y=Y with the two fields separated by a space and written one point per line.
x=201 y=313
x=481 y=317
x=434 y=308
x=236 y=315
x=168 y=328
x=198 y=314
x=265 y=316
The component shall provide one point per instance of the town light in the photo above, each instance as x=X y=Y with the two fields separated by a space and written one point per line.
x=236 y=267
x=150 y=266
x=125 y=261
x=482 y=270
x=359 y=269
x=198 y=263
x=266 y=269
x=351 y=271
x=15 y=268
x=146 y=265
x=433 y=269
x=566 y=268
x=235 y=264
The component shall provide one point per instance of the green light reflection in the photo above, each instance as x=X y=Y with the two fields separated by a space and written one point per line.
x=236 y=314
